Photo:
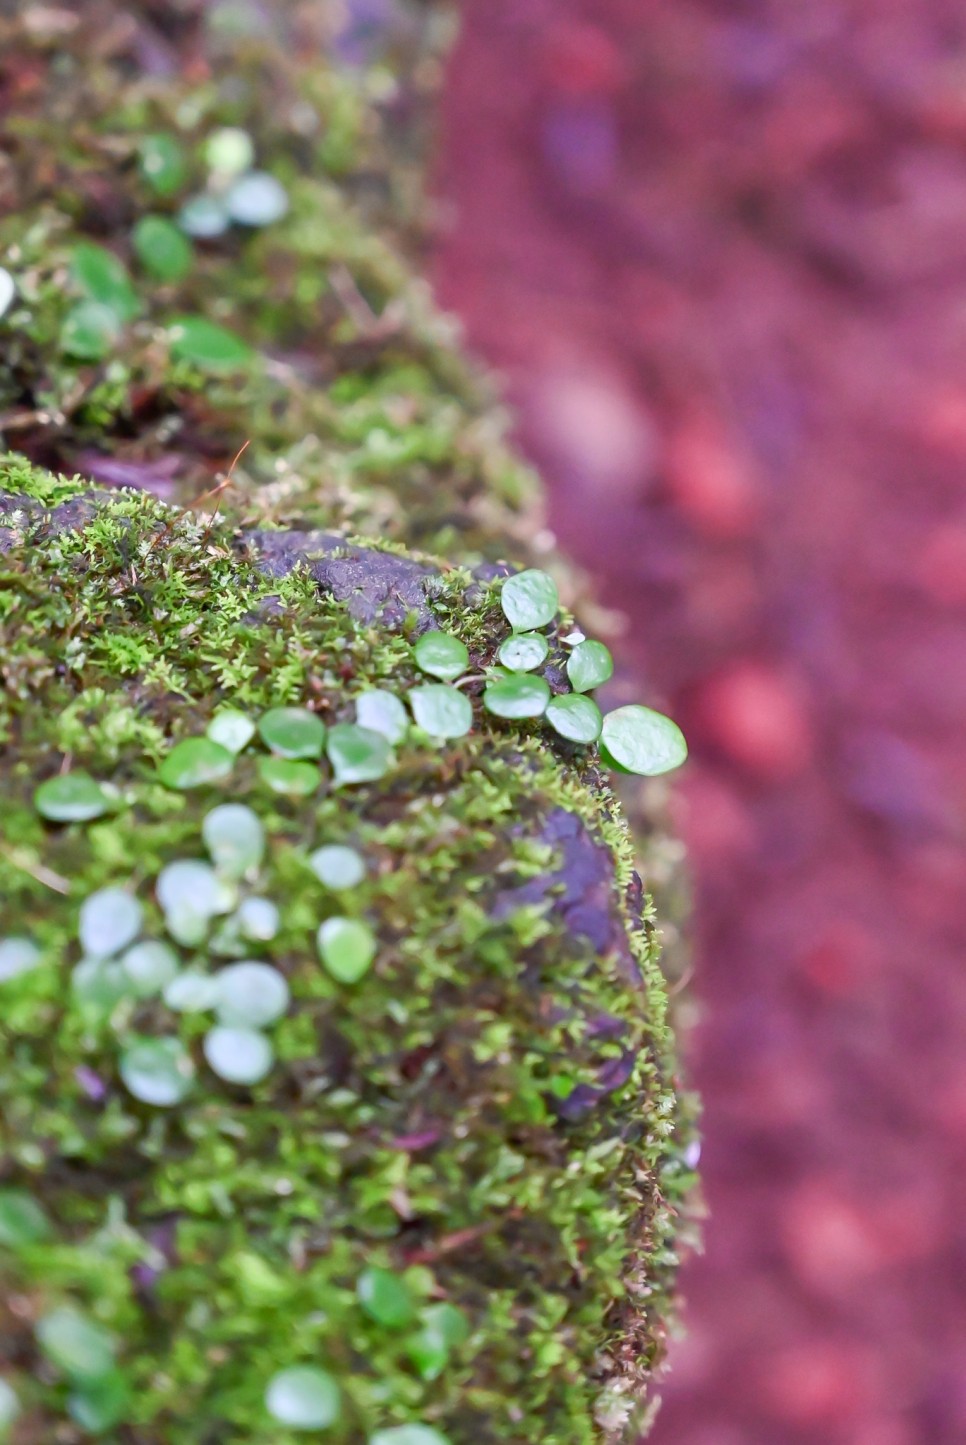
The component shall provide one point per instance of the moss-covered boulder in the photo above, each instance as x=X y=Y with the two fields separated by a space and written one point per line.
x=337 y=1088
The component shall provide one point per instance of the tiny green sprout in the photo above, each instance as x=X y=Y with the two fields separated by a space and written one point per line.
x=150 y=966
x=110 y=919
x=524 y=651
x=157 y=1071
x=235 y=838
x=382 y=712
x=303 y=1398
x=22 y=1219
x=17 y=955
x=639 y=740
x=347 y=947
x=90 y=331
x=162 y=249
x=8 y=290
x=102 y=277
x=256 y=199
x=441 y=655
x=441 y=710
x=191 y=992
x=575 y=717
x=289 y=776
x=251 y=994
x=338 y=866
x=76 y=1344
x=194 y=763
x=408 y=1435
x=529 y=599
x=517 y=696
x=238 y=1055
x=292 y=732
x=208 y=346
x=386 y=1298
x=70 y=798
x=589 y=666
x=204 y=217
x=231 y=729
x=258 y=919
x=9 y=1407
x=357 y=754
x=162 y=164
x=229 y=151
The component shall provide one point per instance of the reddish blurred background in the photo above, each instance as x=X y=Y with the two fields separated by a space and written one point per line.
x=720 y=251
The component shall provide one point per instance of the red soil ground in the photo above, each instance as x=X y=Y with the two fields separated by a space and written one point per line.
x=720 y=250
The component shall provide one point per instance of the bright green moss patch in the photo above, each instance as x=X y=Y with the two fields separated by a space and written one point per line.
x=338 y=1055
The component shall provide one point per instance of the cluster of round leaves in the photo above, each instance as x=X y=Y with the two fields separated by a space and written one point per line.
x=302 y=1397
x=236 y=193
x=632 y=739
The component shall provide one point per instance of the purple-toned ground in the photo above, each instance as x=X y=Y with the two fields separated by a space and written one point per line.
x=720 y=251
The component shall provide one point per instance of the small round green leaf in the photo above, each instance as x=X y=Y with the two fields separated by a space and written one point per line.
x=22 y=1219
x=643 y=741
x=233 y=730
x=524 y=651
x=76 y=1344
x=518 y=696
x=238 y=1055
x=191 y=992
x=357 y=754
x=338 y=866
x=347 y=947
x=382 y=712
x=257 y=919
x=589 y=665
x=17 y=955
x=102 y=277
x=150 y=966
x=90 y=331
x=229 y=151
x=97 y=1405
x=575 y=717
x=529 y=599
x=441 y=655
x=8 y=290
x=386 y=1298
x=157 y=1071
x=234 y=837
x=441 y=710
x=98 y=984
x=204 y=217
x=208 y=346
x=193 y=763
x=303 y=1398
x=408 y=1435
x=256 y=199
x=289 y=776
x=292 y=732
x=162 y=164
x=190 y=886
x=162 y=248
x=70 y=798
x=110 y=919
x=251 y=994
x=9 y=1407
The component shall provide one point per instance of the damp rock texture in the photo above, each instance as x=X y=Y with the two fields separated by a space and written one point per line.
x=337 y=1088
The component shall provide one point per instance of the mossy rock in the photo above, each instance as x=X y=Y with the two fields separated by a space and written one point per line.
x=440 y=1160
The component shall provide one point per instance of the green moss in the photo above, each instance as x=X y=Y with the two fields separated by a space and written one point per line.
x=488 y=1114
x=412 y=1120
